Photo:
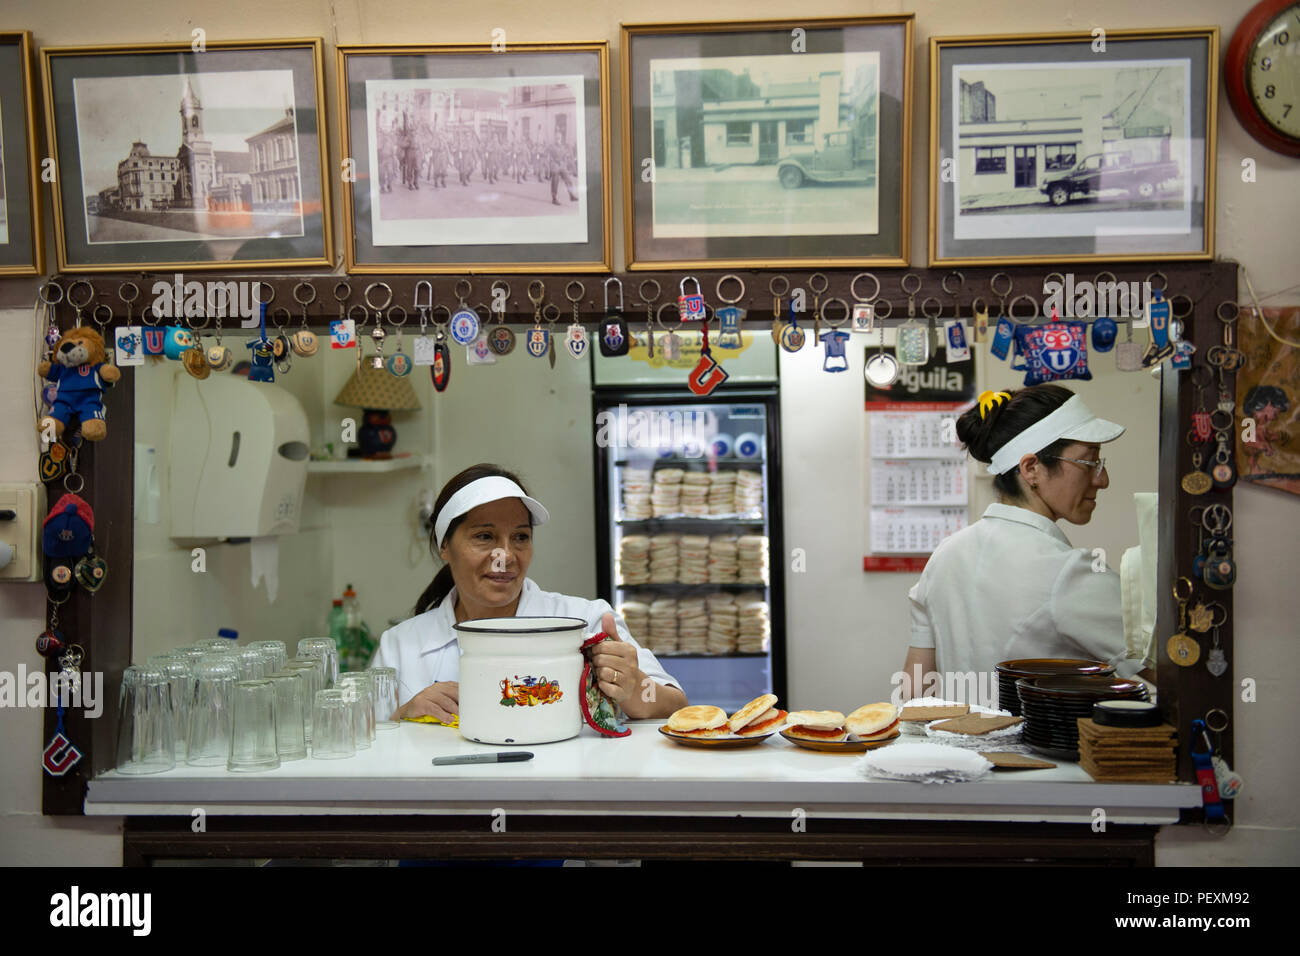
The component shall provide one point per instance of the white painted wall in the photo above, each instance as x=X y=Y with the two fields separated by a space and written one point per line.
x=839 y=614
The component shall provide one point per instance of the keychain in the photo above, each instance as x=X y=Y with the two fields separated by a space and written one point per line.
x=501 y=340
x=261 y=369
x=956 y=303
x=1228 y=782
x=792 y=337
x=303 y=342
x=538 y=342
x=778 y=286
x=423 y=347
x=479 y=352
x=464 y=321
x=864 y=307
x=575 y=339
x=649 y=299
x=730 y=315
x=551 y=313
x=128 y=339
x=670 y=344
x=818 y=283
x=1196 y=481
x=60 y=754
x=1217 y=662
x=440 y=367
x=615 y=339
x=1157 y=314
x=1224 y=471
x=912 y=343
x=399 y=363
x=707 y=374
x=1201 y=760
x=689 y=306
x=1182 y=648
x=834 y=339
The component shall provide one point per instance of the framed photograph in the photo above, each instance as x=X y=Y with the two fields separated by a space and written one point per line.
x=22 y=238
x=174 y=158
x=459 y=157
x=774 y=143
x=1066 y=147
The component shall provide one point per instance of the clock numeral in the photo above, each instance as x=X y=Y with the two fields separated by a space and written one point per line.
x=1269 y=92
x=1286 y=110
x=1282 y=39
x=1267 y=64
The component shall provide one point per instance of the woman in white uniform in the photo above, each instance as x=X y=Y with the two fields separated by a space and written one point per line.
x=483 y=529
x=1010 y=585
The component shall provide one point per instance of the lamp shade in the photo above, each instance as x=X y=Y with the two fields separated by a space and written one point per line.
x=378 y=388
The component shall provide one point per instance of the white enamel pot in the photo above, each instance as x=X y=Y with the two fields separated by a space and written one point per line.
x=520 y=679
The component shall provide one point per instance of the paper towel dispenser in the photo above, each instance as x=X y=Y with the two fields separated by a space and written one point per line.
x=238 y=458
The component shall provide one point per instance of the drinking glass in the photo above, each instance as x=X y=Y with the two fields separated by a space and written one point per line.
x=332 y=734
x=144 y=722
x=252 y=734
x=180 y=678
x=384 y=680
x=322 y=647
x=252 y=665
x=310 y=672
x=290 y=720
x=273 y=652
x=356 y=687
x=215 y=677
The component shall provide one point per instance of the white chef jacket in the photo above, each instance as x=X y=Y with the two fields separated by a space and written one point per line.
x=1010 y=586
x=425 y=651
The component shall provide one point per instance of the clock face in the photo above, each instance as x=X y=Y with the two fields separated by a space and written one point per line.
x=1274 y=72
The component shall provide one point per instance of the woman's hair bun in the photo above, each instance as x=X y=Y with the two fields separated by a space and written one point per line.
x=989 y=425
x=976 y=428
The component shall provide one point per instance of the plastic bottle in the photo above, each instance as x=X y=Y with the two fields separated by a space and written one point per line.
x=232 y=635
x=338 y=627
x=360 y=646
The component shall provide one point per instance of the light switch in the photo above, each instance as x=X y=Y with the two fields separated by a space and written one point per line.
x=22 y=531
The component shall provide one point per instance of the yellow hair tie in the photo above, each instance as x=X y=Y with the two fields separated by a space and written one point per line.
x=989 y=400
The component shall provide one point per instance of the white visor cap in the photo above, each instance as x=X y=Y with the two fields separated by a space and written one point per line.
x=480 y=492
x=1073 y=421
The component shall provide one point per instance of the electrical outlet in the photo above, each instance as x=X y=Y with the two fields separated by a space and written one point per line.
x=23 y=530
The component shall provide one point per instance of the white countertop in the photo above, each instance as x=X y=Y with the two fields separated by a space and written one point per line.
x=644 y=774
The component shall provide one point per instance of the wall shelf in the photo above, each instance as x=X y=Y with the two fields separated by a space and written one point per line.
x=362 y=466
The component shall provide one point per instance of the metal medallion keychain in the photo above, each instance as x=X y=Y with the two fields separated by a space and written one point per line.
x=778 y=286
x=501 y=339
x=575 y=338
x=378 y=335
x=538 y=342
x=881 y=370
x=1217 y=661
x=1182 y=648
x=730 y=315
x=792 y=337
x=464 y=321
x=303 y=342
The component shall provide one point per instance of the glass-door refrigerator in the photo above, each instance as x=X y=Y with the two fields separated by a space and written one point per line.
x=689 y=520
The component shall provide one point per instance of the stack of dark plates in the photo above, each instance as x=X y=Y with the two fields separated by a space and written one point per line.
x=1052 y=706
x=1011 y=671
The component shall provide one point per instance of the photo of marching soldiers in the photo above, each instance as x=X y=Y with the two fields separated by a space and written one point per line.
x=469 y=156
x=185 y=157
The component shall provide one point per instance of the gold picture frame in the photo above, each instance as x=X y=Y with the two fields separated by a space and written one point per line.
x=1106 y=148
x=718 y=174
x=20 y=160
x=261 y=202
x=417 y=120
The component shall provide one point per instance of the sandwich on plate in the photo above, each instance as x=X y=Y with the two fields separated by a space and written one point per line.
x=874 y=722
x=699 y=720
x=759 y=716
x=826 y=725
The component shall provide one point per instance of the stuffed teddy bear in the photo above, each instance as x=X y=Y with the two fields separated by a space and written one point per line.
x=79 y=372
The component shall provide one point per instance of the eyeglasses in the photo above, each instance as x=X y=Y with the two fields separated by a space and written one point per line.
x=1097 y=466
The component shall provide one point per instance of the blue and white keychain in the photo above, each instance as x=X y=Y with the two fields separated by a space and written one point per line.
x=1158 y=313
x=690 y=305
x=575 y=338
x=615 y=339
x=730 y=315
x=61 y=755
x=465 y=323
x=833 y=340
x=399 y=364
x=538 y=339
x=792 y=337
x=954 y=332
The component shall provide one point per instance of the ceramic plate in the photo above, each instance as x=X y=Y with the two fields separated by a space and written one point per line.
x=718 y=743
x=839 y=746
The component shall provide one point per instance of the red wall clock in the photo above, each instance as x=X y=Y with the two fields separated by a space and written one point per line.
x=1262 y=74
